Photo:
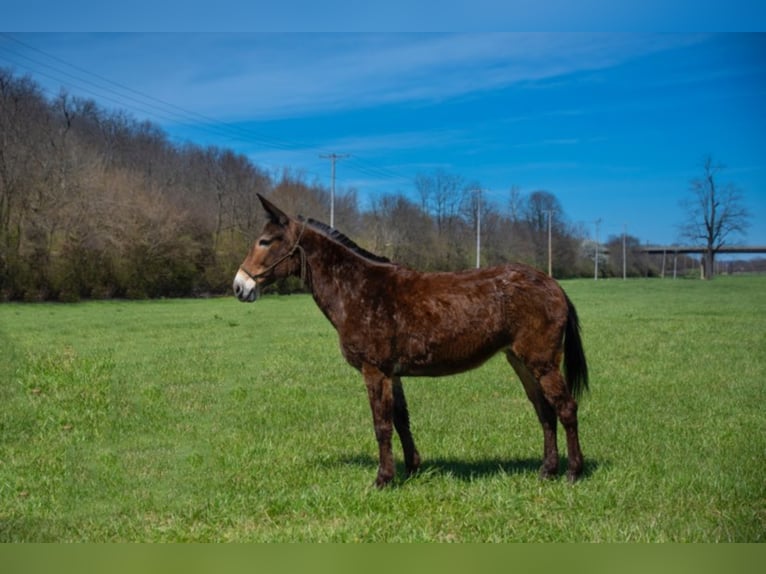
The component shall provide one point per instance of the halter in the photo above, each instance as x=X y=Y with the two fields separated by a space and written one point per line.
x=296 y=247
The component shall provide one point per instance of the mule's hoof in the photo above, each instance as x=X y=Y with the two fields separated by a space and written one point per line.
x=548 y=473
x=574 y=475
x=575 y=471
x=414 y=467
x=382 y=482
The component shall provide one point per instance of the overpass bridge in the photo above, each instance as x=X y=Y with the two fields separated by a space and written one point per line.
x=675 y=250
x=660 y=249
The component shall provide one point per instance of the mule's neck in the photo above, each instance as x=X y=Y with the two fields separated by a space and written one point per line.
x=336 y=275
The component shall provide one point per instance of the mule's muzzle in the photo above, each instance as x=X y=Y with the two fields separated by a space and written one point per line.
x=245 y=288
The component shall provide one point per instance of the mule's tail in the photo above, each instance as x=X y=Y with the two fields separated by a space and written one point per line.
x=575 y=365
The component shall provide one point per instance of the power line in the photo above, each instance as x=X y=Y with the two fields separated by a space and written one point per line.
x=146 y=103
x=379 y=172
x=95 y=85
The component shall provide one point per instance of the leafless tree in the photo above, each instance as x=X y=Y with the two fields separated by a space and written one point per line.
x=402 y=231
x=715 y=213
x=441 y=196
x=515 y=203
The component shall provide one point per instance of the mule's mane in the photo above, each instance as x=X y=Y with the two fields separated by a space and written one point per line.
x=337 y=236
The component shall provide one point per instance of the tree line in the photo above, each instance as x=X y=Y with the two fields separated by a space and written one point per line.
x=97 y=204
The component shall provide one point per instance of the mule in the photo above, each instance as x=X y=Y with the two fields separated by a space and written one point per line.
x=396 y=322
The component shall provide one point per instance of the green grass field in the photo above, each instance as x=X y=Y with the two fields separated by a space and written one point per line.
x=210 y=420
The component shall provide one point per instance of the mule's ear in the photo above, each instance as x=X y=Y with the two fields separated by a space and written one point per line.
x=275 y=214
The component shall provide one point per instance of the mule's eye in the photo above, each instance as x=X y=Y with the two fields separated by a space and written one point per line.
x=266 y=241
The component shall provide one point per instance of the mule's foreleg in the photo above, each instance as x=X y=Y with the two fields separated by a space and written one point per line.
x=381 y=394
x=402 y=425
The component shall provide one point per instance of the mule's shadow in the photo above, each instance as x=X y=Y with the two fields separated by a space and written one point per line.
x=468 y=470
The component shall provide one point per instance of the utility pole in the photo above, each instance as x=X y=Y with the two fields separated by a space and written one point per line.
x=478 y=228
x=624 y=251
x=333 y=157
x=595 y=272
x=550 y=244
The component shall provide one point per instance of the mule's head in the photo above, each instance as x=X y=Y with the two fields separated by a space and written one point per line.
x=275 y=254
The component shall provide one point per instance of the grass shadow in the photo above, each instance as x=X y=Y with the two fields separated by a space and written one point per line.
x=468 y=470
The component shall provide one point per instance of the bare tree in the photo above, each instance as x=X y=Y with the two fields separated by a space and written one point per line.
x=515 y=203
x=441 y=195
x=715 y=212
x=401 y=231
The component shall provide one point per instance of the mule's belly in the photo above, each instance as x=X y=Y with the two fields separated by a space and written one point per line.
x=441 y=368
x=422 y=356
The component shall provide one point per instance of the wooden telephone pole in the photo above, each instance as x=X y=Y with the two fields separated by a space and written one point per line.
x=333 y=157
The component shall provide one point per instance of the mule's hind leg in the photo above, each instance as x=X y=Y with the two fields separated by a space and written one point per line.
x=402 y=425
x=556 y=392
x=545 y=414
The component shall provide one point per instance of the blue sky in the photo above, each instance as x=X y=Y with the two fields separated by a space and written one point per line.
x=615 y=125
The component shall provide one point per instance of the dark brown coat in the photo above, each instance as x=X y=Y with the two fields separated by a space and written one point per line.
x=393 y=322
